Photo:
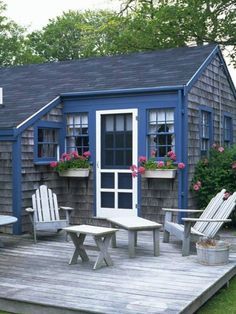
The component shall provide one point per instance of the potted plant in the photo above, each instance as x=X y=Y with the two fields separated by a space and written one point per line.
x=164 y=169
x=72 y=164
x=212 y=252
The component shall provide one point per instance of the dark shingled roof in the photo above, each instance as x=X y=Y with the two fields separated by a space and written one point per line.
x=28 y=88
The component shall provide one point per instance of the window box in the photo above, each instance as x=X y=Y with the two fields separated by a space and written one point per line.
x=160 y=174
x=79 y=173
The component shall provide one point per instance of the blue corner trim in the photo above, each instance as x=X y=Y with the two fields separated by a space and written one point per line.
x=16 y=184
x=183 y=188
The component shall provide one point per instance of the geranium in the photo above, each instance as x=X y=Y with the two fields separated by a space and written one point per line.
x=152 y=164
x=71 y=160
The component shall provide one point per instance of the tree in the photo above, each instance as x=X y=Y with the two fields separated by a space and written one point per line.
x=183 y=22
x=13 y=47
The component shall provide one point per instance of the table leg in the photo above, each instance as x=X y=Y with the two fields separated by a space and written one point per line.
x=156 y=242
x=102 y=245
x=131 y=240
x=79 y=248
x=113 y=239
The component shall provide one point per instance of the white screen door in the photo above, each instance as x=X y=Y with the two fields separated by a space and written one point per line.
x=116 y=151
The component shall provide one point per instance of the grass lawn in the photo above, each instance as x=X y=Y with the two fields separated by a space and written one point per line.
x=223 y=301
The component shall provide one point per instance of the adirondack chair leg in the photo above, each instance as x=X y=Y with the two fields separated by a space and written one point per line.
x=1 y=243
x=131 y=240
x=156 y=242
x=166 y=234
x=186 y=240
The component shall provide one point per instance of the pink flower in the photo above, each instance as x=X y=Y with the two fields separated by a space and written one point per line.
x=142 y=159
x=199 y=183
x=226 y=195
x=53 y=164
x=214 y=145
x=196 y=187
x=87 y=154
x=134 y=174
x=65 y=156
x=234 y=165
x=74 y=154
x=153 y=153
x=160 y=164
x=221 y=149
x=133 y=168
x=170 y=153
x=181 y=165
x=173 y=157
x=141 y=170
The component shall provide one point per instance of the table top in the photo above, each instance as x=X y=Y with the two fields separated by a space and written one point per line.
x=134 y=223
x=88 y=229
x=6 y=220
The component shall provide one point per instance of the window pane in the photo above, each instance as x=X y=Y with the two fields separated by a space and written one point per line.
x=125 y=200
x=124 y=181
x=120 y=123
x=107 y=199
x=109 y=123
x=119 y=158
x=109 y=140
x=129 y=122
x=107 y=180
x=120 y=141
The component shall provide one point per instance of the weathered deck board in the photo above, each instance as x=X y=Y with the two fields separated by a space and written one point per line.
x=34 y=276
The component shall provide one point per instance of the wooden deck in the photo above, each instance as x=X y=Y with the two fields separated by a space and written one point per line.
x=37 y=278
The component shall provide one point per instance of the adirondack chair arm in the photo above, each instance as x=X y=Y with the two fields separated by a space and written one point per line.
x=183 y=210
x=66 y=208
x=68 y=211
x=29 y=209
x=206 y=220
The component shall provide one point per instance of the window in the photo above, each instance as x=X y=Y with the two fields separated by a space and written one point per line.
x=205 y=129
x=47 y=143
x=227 y=131
x=77 y=132
x=161 y=137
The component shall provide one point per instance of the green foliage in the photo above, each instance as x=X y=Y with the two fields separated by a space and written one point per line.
x=214 y=173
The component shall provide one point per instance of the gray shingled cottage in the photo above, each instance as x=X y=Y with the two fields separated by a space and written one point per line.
x=119 y=108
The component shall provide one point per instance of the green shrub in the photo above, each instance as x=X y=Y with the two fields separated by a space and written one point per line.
x=213 y=173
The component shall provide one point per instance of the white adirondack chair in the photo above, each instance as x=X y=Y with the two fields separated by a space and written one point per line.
x=208 y=224
x=45 y=212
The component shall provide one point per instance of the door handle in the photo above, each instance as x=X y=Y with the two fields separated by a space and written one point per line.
x=97 y=164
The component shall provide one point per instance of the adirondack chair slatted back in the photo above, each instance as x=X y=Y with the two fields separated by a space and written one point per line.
x=45 y=205
x=210 y=211
x=223 y=213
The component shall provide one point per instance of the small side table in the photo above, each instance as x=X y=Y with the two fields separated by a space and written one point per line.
x=6 y=220
x=102 y=237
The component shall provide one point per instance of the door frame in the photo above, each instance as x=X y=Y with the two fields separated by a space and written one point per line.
x=107 y=212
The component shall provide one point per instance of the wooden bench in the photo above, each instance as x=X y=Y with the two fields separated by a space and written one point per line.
x=101 y=236
x=6 y=220
x=133 y=225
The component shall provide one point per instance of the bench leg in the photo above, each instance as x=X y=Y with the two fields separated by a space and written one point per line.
x=131 y=236
x=102 y=245
x=156 y=242
x=79 y=248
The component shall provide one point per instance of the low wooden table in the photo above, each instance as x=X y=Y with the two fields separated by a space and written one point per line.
x=133 y=225
x=6 y=220
x=102 y=237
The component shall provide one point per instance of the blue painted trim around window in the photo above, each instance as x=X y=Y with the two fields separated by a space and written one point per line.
x=230 y=116
x=16 y=184
x=50 y=125
x=211 y=134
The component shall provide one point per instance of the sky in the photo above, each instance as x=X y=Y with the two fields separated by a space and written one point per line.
x=34 y=14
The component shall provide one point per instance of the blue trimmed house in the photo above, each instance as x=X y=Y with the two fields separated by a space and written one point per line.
x=118 y=107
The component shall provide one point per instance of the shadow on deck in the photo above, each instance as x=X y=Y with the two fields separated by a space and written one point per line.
x=38 y=279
